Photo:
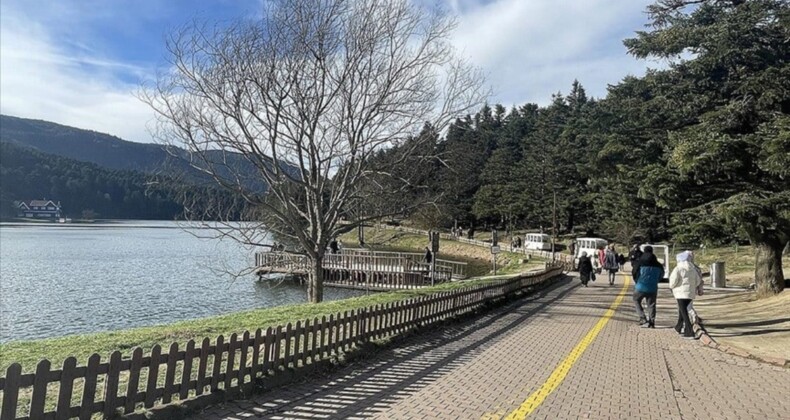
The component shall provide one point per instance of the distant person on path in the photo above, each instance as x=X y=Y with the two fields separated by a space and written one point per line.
x=635 y=254
x=601 y=257
x=585 y=268
x=621 y=261
x=610 y=263
x=428 y=255
x=684 y=281
x=647 y=272
x=333 y=246
x=572 y=248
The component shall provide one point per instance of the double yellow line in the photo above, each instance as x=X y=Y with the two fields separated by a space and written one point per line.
x=559 y=373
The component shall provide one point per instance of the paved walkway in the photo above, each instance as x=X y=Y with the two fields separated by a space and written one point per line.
x=555 y=355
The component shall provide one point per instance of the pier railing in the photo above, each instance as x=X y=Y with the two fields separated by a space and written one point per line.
x=366 y=269
x=228 y=366
x=457 y=268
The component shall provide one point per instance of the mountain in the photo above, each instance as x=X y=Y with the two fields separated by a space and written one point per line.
x=84 y=145
x=80 y=187
x=115 y=153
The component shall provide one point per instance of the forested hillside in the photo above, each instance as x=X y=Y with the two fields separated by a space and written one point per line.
x=114 y=153
x=84 y=145
x=90 y=190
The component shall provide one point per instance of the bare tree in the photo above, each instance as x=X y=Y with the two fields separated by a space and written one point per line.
x=289 y=111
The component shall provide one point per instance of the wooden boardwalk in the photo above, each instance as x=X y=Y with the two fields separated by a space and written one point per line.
x=364 y=269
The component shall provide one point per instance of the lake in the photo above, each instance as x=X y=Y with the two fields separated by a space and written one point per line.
x=57 y=280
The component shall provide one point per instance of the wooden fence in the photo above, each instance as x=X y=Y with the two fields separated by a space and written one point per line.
x=118 y=384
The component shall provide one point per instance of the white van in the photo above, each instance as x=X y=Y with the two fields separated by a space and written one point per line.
x=662 y=254
x=539 y=241
x=590 y=246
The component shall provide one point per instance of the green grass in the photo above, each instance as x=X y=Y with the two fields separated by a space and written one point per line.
x=28 y=353
x=478 y=258
x=738 y=262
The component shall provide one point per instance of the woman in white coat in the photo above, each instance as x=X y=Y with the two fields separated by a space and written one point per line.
x=684 y=281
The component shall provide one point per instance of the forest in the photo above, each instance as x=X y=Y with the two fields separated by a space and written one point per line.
x=86 y=190
x=696 y=152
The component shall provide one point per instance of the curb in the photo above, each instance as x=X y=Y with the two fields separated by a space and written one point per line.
x=708 y=341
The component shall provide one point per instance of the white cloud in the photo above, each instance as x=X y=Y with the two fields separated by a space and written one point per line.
x=528 y=48
x=533 y=48
x=41 y=78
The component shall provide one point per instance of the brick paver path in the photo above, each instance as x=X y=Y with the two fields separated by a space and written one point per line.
x=489 y=366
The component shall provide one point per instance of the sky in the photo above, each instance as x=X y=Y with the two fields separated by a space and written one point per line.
x=80 y=62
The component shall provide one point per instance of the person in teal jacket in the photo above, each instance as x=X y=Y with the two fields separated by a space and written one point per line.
x=647 y=272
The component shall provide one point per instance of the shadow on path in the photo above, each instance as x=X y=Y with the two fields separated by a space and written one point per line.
x=369 y=387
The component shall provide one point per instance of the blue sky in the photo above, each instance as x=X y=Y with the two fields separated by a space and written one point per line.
x=79 y=62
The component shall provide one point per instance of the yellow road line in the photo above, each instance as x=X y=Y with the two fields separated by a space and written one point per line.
x=559 y=373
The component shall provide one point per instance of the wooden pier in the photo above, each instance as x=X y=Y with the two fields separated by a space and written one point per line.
x=364 y=269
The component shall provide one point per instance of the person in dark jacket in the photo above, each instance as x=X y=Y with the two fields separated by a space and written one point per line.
x=610 y=263
x=635 y=254
x=585 y=268
x=428 y=255
x=647 y=272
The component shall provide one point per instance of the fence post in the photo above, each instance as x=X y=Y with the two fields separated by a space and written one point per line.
x=11 y=391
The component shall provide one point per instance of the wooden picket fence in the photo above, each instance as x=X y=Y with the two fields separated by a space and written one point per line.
x=122 y=385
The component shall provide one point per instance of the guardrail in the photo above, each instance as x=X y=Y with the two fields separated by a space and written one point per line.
x=230 y=366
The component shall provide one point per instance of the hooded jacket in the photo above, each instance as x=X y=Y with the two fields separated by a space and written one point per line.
x=684 y=280
x=647 y=273
x=585 y=266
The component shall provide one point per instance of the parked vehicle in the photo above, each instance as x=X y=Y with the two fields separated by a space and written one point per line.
x=590 y=246
x=662 y=254
x=539 y=241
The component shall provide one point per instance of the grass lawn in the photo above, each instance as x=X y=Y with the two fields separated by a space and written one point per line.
x=478 y=258
x=28 y=353
x=738 y=262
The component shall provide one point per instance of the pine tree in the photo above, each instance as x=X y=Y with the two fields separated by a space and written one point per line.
x=727 y=164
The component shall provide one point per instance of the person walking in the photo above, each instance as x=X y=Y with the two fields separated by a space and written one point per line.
x=684 y=281
x=572 y=248
x=333 y=246
x=585 y=268
x=601 y=258
x=695 y=318
x=428 y=255
x=647 y=272
x=610 y=263
x=635 y=254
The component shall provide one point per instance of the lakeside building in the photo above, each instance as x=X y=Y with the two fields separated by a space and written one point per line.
x=38 y=209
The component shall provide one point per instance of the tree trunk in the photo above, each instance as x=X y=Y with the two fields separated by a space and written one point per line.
x=570 y=222
x=315 y=281
x=768 y=274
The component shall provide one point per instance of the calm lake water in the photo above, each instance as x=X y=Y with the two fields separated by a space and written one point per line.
x=57 y=280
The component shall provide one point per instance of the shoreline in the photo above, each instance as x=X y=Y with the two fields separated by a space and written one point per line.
x=81 y=346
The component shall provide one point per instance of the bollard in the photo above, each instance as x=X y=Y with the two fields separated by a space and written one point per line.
x=717 y=278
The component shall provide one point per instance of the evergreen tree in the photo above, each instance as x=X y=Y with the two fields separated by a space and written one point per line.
x=727 y=166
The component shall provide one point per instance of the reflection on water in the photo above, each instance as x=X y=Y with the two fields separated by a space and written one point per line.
x=57 y=280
